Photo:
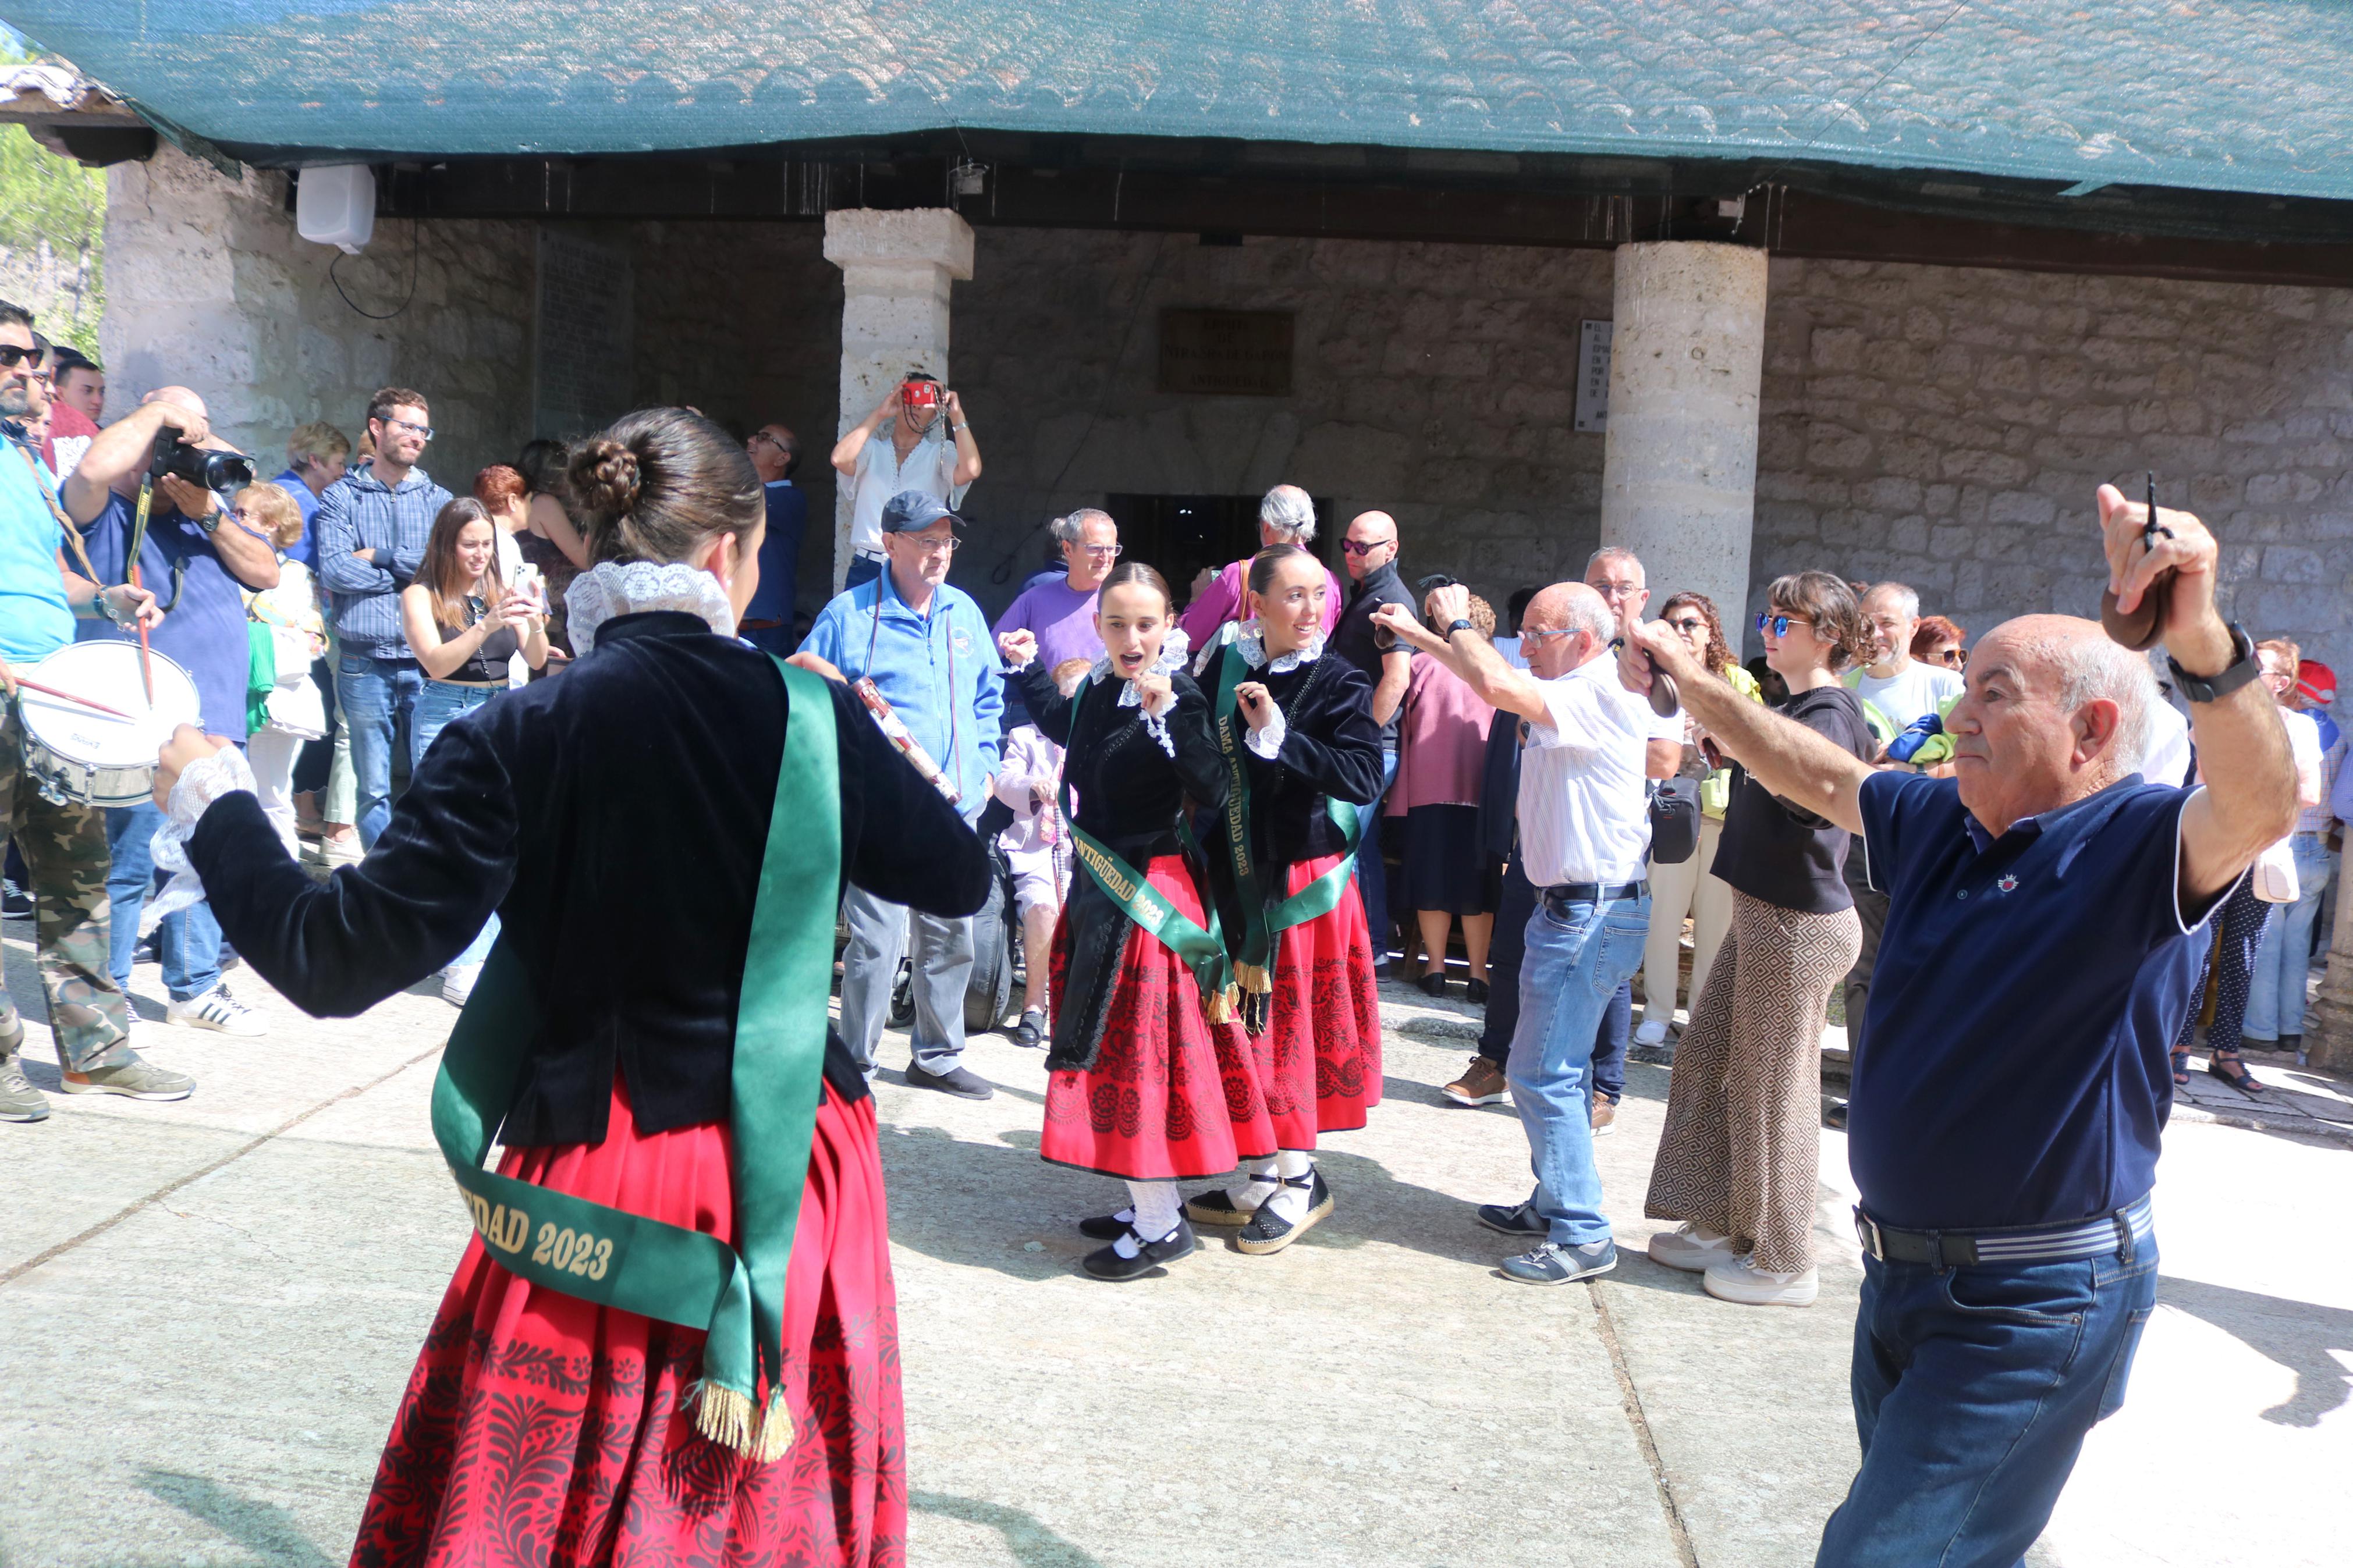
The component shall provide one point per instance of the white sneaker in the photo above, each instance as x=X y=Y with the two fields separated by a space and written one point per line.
x=1652 y=1033
x=1739 y=1279
x=457 y=982
x=1689 y=1247
x=217 y=1010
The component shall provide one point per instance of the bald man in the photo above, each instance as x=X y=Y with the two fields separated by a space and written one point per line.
x=1370 y=550
x=198 y=560
x=1585 y=832
x=2045 y=933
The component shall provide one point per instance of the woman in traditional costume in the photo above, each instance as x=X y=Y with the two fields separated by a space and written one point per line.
x=673 y=1336
x=1303 y=756
x=1136 y=1088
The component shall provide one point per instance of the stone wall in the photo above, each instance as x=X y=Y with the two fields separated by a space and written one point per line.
x=1948 y=425
x=208 y=286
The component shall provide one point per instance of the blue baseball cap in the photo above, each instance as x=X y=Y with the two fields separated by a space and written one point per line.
x=912 y=511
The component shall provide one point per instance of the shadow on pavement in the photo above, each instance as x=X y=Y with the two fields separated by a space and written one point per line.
x=263 y=1529
x=2298 y=1335
x=1033 y=1545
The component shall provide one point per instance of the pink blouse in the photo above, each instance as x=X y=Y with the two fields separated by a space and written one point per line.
x=1441 y=740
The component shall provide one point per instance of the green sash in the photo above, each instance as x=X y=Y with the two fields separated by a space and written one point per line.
x=637 y=1265
x=1264 y=921
x=1203 y=952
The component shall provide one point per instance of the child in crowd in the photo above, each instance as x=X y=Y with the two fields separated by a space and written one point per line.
x=1036 y=847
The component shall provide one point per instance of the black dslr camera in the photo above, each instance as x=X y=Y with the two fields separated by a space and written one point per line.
x=206 y=469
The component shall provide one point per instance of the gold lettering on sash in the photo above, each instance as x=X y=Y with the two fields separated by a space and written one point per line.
x=1101 y=864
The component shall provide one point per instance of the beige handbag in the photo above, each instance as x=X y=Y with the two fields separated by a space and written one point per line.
x=2274 y=874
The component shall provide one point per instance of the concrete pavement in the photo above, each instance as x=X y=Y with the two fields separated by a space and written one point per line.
x=207 y=1311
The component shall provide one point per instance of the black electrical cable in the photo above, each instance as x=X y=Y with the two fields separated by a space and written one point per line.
x=415 y=242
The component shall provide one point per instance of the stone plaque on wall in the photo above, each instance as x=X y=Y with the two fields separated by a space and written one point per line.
x=1226 y=353
x=584 y=338
x=1593 y=375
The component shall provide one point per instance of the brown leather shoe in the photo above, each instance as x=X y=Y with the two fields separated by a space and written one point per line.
x=1482 y=1085
x=1605 y=1116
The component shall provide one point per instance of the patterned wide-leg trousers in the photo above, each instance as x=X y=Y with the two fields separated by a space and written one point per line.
x=1741 y=1152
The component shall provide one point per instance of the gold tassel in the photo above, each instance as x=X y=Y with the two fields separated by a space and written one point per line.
x=775 y=1429
x=724 y=1417
x=1221 y=1006
x=1255 y=977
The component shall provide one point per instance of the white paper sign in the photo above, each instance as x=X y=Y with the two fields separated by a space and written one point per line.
x=1593 y=376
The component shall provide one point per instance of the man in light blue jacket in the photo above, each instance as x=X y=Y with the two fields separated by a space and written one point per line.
x=927 y=647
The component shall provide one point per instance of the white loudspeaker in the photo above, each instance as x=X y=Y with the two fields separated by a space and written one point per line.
x=335 y=204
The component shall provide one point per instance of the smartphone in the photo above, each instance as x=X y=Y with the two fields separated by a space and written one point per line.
x=528 y=580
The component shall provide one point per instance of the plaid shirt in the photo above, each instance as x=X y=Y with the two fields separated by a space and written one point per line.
x=360 y=512
x=2322 y=818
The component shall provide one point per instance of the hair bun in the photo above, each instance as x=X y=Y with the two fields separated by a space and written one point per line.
x=605 y=477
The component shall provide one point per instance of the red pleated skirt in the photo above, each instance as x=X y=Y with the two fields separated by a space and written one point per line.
x=1167 y=1097
x=1319 y=1062
x=542 y=1431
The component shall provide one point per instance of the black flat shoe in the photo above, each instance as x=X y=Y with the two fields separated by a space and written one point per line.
x=1106 y=1227
x=1270 y=1232
x=1107 y=1264
x=962 y=1083
x=1030 y=1033
x=1477 y=991
x=1433 y=985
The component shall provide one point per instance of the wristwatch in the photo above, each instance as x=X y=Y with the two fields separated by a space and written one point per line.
x=2244 y=666
x=1459 y=625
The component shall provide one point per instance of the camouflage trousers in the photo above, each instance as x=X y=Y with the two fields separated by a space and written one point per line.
x=66 y=856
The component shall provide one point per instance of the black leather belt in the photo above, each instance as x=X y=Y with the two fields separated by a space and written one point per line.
x=1594 y=892
x=2120 y=1233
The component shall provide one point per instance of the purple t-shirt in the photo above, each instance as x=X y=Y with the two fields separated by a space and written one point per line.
x=1061 y=617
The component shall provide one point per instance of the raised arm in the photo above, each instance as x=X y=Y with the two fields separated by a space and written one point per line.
x=2250 y=798
x=853 y=441
x=1467 y=653
x=1807 y=771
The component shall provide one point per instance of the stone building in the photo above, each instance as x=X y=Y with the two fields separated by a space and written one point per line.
x=1744 y=287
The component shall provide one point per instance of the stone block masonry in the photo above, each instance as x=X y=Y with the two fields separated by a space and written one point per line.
x=210 y=287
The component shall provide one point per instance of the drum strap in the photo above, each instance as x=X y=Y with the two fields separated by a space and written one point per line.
x=73 y=534
x=628 y=1261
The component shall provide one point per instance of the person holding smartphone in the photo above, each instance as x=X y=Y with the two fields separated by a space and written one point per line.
x=927 y=446
x=464 y=624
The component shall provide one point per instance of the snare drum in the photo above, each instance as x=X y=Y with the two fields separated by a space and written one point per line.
x=75 y=754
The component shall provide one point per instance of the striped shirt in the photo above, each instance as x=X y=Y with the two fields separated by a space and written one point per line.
x=359 y=513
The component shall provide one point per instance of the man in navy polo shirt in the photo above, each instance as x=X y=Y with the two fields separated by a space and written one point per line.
x=2010 y=1087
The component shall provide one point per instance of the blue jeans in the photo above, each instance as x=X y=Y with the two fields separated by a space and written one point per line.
x=190 y=941
x=378 y=695
x=1372 y=876
x=2275 y=994
x=1973 y=1389
x=1577 y=957
x=863 y=569
x=439 y=703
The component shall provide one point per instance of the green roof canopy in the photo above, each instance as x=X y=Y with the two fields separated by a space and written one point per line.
x=2213 y=95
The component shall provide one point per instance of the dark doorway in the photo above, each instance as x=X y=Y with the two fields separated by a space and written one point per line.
x=1182 y=534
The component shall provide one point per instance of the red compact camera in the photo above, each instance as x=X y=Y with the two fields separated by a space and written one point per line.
x=920 y=396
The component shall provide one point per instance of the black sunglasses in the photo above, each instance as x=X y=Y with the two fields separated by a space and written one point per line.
x=11 y=355
x=1692 y=624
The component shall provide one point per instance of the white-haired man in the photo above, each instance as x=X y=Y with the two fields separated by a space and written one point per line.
x=1585 y=831
x=1285 y=516
x=2005 y=1144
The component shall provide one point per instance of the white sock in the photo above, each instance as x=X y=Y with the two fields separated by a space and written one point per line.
x=1260 y=1186
x=1289 y=1202
x=1155 y=1215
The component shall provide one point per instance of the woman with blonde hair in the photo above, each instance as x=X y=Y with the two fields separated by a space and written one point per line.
x=1739 y=1160
x=725 y=1386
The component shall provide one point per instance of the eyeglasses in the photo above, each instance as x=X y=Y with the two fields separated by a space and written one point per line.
x=761 y=435
x=1778 y=625
x=1688 y=626
x=1357 y=547
x=1615 y=590
x=1530 y=634
x=1951 y=656
x=425 y=431
x=12 y=355
x=1101 y=551
x=932 y=546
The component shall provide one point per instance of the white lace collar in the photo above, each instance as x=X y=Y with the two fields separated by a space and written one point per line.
x=1249 y=641
x=1171 y=660
x=612 y=588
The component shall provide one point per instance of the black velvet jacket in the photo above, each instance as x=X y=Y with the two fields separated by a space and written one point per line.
x=1131 y=795
x=1330 y=746
x=615 y=816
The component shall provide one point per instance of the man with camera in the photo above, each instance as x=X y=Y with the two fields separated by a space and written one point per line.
x=370 y=537
x=198 y=559
x=63 y=843
x=929 y=448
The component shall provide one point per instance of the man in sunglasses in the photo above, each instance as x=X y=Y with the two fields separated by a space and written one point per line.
x=372 y=528
x=1896 y=690
x=1370 y=550
x=767 y=622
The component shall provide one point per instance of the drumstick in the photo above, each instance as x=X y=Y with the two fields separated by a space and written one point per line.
x=146 y=657
x=69 y=697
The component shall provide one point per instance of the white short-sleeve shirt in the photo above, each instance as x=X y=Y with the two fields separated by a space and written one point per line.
x=1584 y=807
x=930 y=468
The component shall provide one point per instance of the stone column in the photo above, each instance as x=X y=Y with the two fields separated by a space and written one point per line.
x=1679 y=466
x=896 y=267
x=2328 y=1022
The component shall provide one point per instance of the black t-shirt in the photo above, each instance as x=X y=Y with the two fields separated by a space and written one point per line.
x=1776 y=852
x=1352 y=639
